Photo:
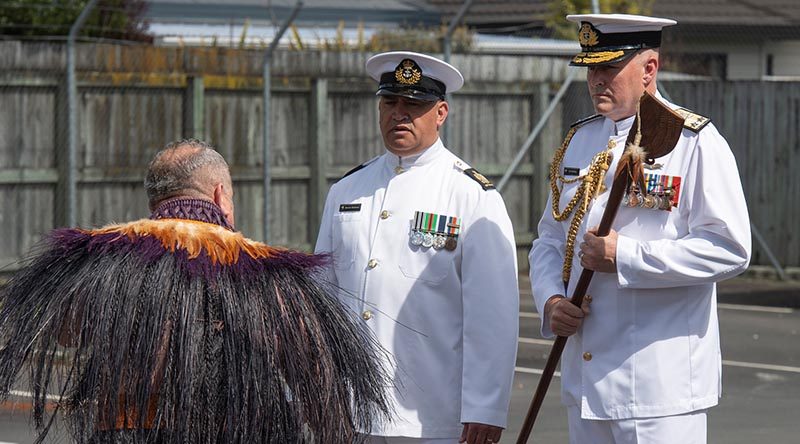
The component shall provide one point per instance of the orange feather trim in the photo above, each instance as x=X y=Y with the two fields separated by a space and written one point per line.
x=221 y=245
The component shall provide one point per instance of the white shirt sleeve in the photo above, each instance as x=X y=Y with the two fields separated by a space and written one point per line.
x=490 y=295
x=718 y=243
x=325 y=236
x=546 y=263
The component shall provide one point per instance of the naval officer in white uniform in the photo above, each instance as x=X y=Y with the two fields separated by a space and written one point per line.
x=642 y=363
x=423 y=250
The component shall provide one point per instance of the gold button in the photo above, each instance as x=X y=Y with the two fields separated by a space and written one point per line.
x=366 y=315
x=587 y=356
x=398 y=169
x=372 y=263
x=384 y=214
x=612 y=143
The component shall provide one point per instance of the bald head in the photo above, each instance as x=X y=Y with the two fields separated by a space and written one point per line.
x=189 y=169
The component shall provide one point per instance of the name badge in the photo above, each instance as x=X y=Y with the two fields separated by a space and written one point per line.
x=572 y=171
x=349 y=208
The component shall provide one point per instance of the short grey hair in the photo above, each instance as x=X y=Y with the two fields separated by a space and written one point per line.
x=178 y=170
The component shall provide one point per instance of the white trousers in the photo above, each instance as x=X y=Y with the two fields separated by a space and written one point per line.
x=405 y=440
x=689 y=428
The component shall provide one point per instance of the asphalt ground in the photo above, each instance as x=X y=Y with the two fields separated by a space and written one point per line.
x=760 y=328
x=760 y=337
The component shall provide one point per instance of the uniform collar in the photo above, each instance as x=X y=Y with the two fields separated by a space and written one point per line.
x=395 y=162
x=623 y=126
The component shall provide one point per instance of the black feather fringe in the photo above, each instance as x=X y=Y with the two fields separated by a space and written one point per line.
x=161 y=354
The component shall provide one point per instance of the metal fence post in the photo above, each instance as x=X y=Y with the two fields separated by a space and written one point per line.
x=69 y=180
x=446 y=41
x=193 y=109
x=319 y=143
x=267 y=85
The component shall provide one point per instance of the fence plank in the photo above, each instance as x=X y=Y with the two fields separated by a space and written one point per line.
x=132 y=103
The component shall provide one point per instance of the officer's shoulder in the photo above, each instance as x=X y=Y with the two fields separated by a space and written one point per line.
x=586 y=121
x=692 y=121
x=359 y=167
x=463 y=168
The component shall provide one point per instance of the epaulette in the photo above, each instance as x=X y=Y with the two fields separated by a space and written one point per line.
x=584 y=121
x=473 y=174
x=359 y=167
x=691 y=121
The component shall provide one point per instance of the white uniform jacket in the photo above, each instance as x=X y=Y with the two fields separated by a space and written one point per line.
x=650 y=346
x=449 y=318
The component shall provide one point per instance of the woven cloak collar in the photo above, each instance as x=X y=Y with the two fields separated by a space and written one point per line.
x=192 y=209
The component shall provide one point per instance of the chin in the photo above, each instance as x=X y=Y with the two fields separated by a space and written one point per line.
x=603 y=107
x=400 y=144
x=401 y=149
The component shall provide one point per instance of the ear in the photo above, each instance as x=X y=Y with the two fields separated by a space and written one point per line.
x=651 y=66
x=442 y=108
x=220 y=198
x=224 y=202
x=219 y=194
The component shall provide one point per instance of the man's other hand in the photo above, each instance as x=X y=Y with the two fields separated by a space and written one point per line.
x=565 y=318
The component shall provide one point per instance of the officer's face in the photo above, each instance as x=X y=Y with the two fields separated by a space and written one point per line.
x=409 y=126
x=616 y=88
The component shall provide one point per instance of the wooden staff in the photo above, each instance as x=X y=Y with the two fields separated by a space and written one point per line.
x=660 y=130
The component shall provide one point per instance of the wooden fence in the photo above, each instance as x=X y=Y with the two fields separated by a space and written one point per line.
x=135 y=99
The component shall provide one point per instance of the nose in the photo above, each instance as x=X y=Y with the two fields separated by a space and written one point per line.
x=595 y=78
x=399 y=112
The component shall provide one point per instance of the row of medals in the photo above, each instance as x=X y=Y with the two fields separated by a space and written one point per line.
x=656 y=201
x=435 y=240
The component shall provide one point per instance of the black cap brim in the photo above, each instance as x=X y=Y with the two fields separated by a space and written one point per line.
x=409 y=93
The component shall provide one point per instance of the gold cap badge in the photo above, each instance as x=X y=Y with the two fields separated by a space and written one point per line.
x=408 y=72
x=587 y=35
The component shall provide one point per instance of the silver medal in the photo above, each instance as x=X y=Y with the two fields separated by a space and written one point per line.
x=416 y=238
x=438 y=241
x=427 y=240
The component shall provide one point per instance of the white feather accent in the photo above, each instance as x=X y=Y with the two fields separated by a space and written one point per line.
x=635 y=152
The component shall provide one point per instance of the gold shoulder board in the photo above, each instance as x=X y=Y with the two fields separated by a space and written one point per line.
x=473 y=174
x=691 y=121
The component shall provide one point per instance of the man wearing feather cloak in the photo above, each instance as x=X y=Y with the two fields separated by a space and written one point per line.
x=177 y=329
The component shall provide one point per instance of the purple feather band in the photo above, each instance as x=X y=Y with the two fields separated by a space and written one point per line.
x=70 y=242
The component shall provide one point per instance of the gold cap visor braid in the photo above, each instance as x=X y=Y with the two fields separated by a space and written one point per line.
x=599 y=57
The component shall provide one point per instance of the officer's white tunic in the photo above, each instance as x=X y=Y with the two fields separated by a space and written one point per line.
x=650 y=346
x=448 y=318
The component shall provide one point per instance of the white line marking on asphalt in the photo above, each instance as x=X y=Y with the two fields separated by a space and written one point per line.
x=528 y=314
x=5 y=442
x=778 y=368
x=783 y=310
x=22 y=394
x=534 y=371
